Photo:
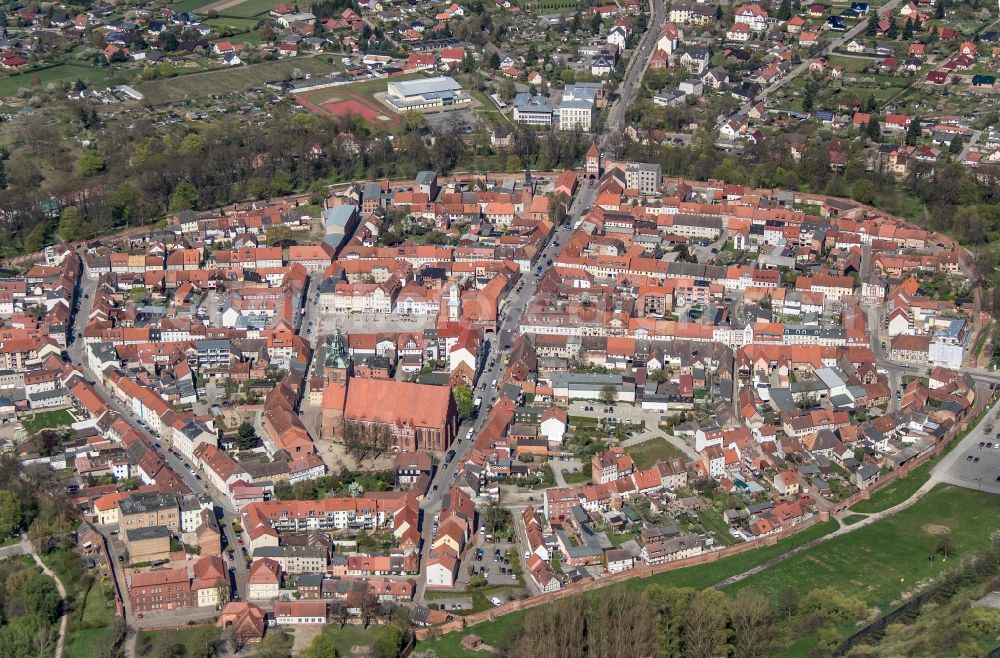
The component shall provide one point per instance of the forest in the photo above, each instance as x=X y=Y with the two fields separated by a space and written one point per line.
x=50 y=190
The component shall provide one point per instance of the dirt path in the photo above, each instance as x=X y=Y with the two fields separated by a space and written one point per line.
x=62 y=592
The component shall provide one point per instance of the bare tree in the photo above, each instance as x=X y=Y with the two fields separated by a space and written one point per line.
x=750 y=617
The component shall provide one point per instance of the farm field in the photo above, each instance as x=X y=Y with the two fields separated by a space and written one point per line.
x=246 y=9
x=200 y=85
x=90 y=75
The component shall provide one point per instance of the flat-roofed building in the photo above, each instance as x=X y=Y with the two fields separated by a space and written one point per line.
x=423 y=94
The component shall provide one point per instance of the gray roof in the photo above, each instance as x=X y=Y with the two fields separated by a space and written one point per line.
x=426 y=86
x=152 y=532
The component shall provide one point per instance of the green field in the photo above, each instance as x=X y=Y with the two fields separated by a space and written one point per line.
x=646 y=453
x=900 y=545
x=200 y=85
x=192 y=638
x=701 y=576
x=369 y=88
x=237 y=24
x=249 y=8
x=57 y=74
x=850 y=64
x=187 y=5
x=48 y=420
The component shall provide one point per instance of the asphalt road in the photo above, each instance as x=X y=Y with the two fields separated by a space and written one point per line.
x=224 y=508
x=633 y=75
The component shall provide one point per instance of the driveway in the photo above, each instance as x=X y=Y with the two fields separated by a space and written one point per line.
x=560 y=468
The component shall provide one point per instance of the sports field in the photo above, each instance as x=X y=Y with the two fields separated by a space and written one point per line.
x=342 y=101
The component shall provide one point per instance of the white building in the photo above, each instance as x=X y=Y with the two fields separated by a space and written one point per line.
x=424 y=94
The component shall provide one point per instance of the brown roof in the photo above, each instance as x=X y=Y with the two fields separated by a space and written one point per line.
x=391 y=402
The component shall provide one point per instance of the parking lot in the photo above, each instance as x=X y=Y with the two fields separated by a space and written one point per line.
x=369 y=322
x=980 y=463
x=485 y=559
x=975 y=462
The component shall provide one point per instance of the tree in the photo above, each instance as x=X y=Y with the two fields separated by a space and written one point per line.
x=872 y=28
x=788 y=602
x=863 y=190
x=246 y=436
x=608 y=394
x=558 y=208
x=35 y=239
x=939 y=9
x=750 y=617
x=71 y=226
x=184 y=197
x=913 y=132
x=893 y=30
x=11 y=513
x=41 y=597
x=873 y=130
x=956 y=145
x=463 y=400
x=705 y=634
x=90 y=163
x=507 y=90
x=321 y=647
x=785 y=10
x=807 y=101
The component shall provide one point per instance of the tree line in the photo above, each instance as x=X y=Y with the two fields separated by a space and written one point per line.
x=670 y=622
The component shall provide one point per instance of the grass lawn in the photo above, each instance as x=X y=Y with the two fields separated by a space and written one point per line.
x=91 y=75
x=851 y=519
x=646 y=453
x=88 y=643
x=899 y=545
x=348 y=637
x=190 y=637
x=368 y=88
x=238 y=24
x=701 y=576
x=201 y=85
x=47 y=420
x=896 y=492
x=850 y=64
x=576 y=478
